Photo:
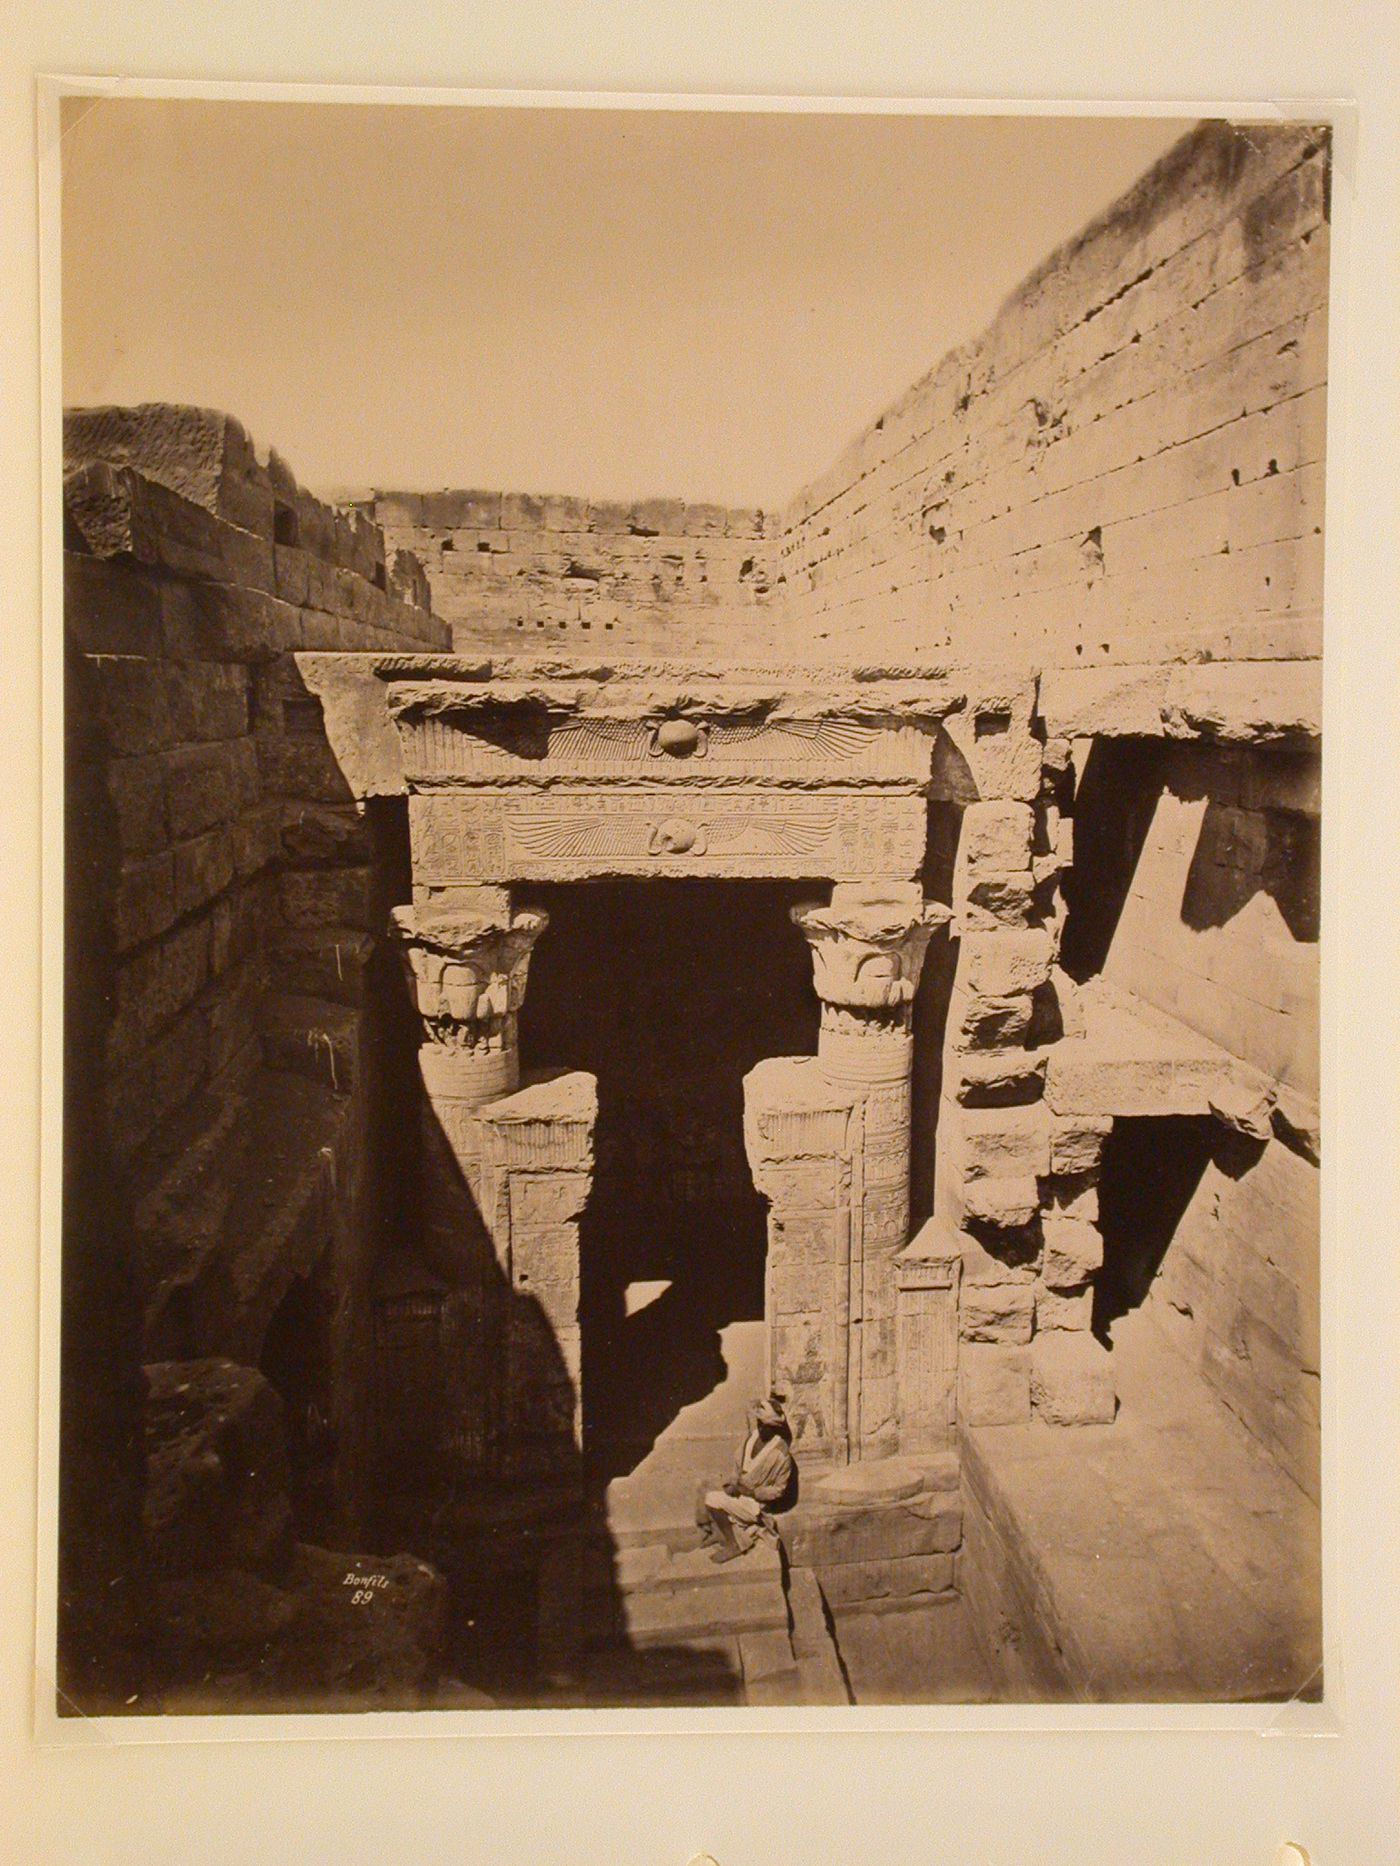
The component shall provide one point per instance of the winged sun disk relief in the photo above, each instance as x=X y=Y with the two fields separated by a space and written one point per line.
x=552 y=835
x=799 y=741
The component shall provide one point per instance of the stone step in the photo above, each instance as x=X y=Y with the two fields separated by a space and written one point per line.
x=646 y=1567
x=651 y=1593
x=671 y=1617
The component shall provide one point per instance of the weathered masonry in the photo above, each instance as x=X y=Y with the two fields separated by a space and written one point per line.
x=866 y=948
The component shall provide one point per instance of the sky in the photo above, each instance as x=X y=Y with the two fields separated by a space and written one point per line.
x=616 y=304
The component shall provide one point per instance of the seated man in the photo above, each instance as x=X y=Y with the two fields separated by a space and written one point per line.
x=733 y=1518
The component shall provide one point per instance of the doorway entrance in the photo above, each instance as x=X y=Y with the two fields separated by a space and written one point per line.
x=669 y=992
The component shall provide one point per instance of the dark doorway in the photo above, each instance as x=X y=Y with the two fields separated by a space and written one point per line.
x=669 y=992
x=1151 y=1168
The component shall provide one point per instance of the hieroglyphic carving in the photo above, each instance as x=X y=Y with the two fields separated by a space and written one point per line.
x=496 y=835
x=927 y=1364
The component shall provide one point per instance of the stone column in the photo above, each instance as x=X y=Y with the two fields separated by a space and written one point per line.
x=467 y=973
x=868 y=949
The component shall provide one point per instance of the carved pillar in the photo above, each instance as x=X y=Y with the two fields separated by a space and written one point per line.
x=467 y=974
x=798 y=1135
x=867 y=952
x=537 y=1173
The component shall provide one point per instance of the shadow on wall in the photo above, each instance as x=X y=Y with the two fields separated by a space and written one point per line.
x=1248 y=842
x=1151 y=1169
x=1273 y=852
x=481 y=1473
x=931 y=1002
x=101 y=1569
x=1113 y=810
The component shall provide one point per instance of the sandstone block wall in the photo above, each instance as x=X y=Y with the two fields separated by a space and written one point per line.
x=222 y=892
x=1127 y=465
x=1238 y=1295
x=522 y=571
x=1206 y=866
x=1220 y=923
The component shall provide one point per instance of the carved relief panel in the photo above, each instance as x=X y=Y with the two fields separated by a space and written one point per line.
x=465 y=837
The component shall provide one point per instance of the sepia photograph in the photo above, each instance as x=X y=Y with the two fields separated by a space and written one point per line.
x=692 y=888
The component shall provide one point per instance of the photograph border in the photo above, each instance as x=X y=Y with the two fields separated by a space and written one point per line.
x=1325 y=1717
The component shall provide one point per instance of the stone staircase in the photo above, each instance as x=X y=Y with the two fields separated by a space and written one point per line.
x=666 y=1621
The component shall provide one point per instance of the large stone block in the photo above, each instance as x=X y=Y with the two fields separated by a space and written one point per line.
x=1245 y=703
x=1072 y=1380
x=994 y=1384
x=255 y=838
x=995 y=901
x=816 y=1537
x=995 y=745
x=1082 y=1078
x=1076 y=1142
x=1064 y=1308
x=977 y=1022
x=1011 y=1257
x=208 y=784
x=996 y=837
x=204 y=867
x=658 y=517
x=1090 y=702
x=311 y=1037
x=849 y=1584
x=1006 y=963
x=202 y=455
x=217 y=1476
x=145 y=900
x=207 y=700
x=1073 y=1250
x=136 y=791
x=1002 y=1203
x=998 y=1078
x=328 y=897
x=1073 y=1195
x=109 y=608
x=127 y=705
x=318 y=834
x=310 y=962
x=1001 y=1143
x=154 y=986
x=1000 y=1312
x=204 y=621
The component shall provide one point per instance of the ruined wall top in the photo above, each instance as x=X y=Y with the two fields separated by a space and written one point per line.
x=187 y=490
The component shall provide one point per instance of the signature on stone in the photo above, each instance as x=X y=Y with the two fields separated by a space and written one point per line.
x=365 y=1586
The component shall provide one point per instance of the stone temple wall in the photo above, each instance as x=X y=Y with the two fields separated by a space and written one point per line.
x=1127 y=465
x=223 y=896
x=1208 y=858
x=525 y=573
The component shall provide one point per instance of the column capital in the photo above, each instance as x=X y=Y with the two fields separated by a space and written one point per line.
x=868 y=950
x=467 y=972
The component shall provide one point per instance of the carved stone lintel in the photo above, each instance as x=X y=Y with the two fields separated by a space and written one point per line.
x=467 y=973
